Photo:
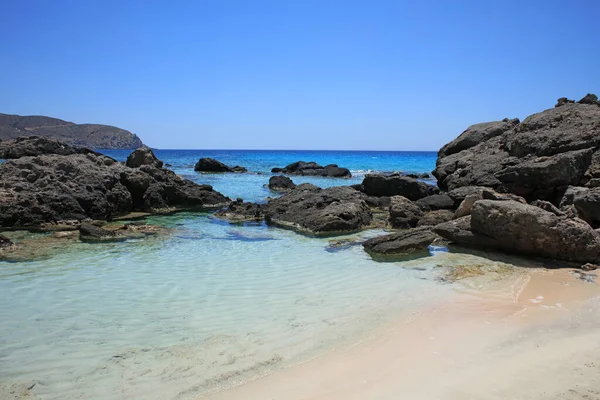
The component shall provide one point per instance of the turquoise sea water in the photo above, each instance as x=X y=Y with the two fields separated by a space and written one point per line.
x=207 y=306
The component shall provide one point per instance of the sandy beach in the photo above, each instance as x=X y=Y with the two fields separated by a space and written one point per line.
x=540 y=340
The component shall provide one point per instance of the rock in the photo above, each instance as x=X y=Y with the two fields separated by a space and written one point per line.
x=93 y=233
x=476 y=134
x=91 y=136
x=562 y=101
x=433 y=218
x=534 y=159
x=281 y=183
x=401 y=243
x=320 y=211
x=459 y=194
x=423 y=175
x=143 y=156
x=313 y=169
x=50 y=189
x=524 y=229
x=589 y=267
x=27 y=146
x=546 y=205
x=586 y=202
x=467 y=204
x=239 y=169
x=211 y=165
x=488 y=194
x=5 y=243
x=589 y=99
x=397 y=185
x=404 y=214
x=436 y=202
x=239 y=211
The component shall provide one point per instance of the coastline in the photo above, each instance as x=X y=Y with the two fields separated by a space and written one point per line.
x=540 y=342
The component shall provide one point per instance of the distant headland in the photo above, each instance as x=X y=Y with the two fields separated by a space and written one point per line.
x=92 y=136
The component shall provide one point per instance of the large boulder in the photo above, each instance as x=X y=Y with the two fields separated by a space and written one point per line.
x=211 y=165
x=143 y=156
x=396 y=185
x=401 y=243
x=433 y=218
x=525 y=229
x=280 y=183
x=313 y=169
x=53 y=188
x=436 y=202
x=320 y=211
x=404 y=214
x=535 y=159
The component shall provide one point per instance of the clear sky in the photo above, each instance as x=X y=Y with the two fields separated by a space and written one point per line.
x=372 y=74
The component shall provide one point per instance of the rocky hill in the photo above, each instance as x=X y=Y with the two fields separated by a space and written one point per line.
x=91 y=136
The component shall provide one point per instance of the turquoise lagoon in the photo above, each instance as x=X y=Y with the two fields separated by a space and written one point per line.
x=207 y=306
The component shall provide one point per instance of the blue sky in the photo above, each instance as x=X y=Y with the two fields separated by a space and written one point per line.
x=372 y=75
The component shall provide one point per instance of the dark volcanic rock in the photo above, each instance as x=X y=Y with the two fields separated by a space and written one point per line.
x=143 y=156
x=239 y=211
x=211 y=165
x=91 y=136
x=589 y=99
x=313 y=169
x=54 y=188
x=37 y=146
x=281 y=183
x=433 y=218
x=535 y=159
x=525 y=229
x=320 y=211
x=397 y=185
x=401 y=243
x=436 y=202
x=404 y=214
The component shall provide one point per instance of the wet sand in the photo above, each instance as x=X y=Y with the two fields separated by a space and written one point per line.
x=539 y=339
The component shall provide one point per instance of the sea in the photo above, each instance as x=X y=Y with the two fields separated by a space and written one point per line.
x=210 y=305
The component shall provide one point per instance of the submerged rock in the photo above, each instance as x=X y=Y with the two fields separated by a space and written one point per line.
x=5 y=243
x=93 y=233
x=313 y=169
x=396 y=185
x=401 y=243
x=281 y=183
x=320 y=211
x=239 y=211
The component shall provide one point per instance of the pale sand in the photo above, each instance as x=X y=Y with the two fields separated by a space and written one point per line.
x=501 y=344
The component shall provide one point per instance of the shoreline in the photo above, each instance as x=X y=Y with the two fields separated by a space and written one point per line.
x=541 y=342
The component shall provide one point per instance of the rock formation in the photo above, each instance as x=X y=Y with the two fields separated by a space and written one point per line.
x=212 y=165
x=280 y=183
x=313 y=169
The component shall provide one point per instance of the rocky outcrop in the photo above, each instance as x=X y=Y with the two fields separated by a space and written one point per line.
x=401 y=243
x=280 y=183
x=143 y=156
x=537 y=158
x=51 y=189
x=523 y=229
x=436 y=202
x=239 y=211
x=27 y=146
x=404 y=214
x=396 y=185
x=90 y=136
x=320 y=211
x=211 y=165
x=433 y=218
x=313 y=169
